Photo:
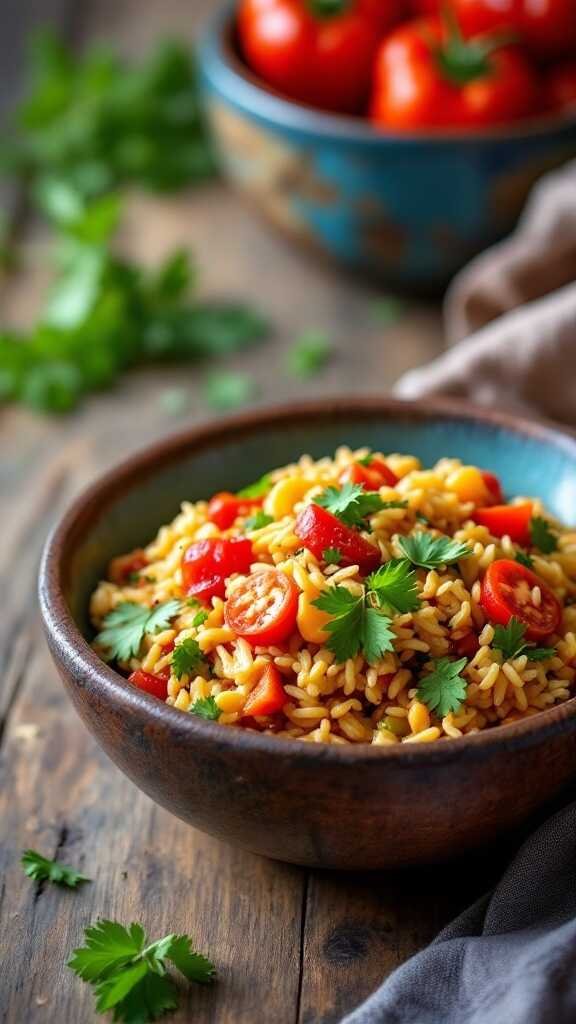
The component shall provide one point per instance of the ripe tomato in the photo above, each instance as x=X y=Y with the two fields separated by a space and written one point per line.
x=427 y=76
x=507 y=592
x=561 y=86
x=372 y=477
x=268 y=696
x=547 y=27
x=263 y=607
x=494 y=486
x=156 y=685
x=225 y=507
x=207 y=564
x=513 y=520
x=318 y=530
x=316 y=51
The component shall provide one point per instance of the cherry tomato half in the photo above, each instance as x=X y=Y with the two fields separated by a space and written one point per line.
x=318 y=530
x=507 y=592
x=207 y=564
x=513 y=520
x=225 y=507
x=268 y=696
x=262 y=608
x=155 y=684
x=372 y=477
x=494 y=486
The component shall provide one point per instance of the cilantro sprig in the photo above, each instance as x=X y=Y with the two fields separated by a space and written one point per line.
x=258 y=521
x=354 y=625
x=430 y=552
x=524 y=559
x=206 y=707
x=510 y=640
x=444 y=689
x=395 y=584
x=350 y=503
x=259 y=489
x=542 y=536
x=187 y=657
x=130 y=976
x=125 y=627
x=332 y=556
x=42 y=869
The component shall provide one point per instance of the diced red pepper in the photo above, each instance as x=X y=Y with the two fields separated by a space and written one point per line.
x=513 y=520
x=494 y=486
x=372 y=477
x=319 y=529
x=207 y=564
x=154 y=684
x=224 y=508
x=268 y=696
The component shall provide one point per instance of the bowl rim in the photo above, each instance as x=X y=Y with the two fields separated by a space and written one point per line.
x=254 y=95
x=71 y=648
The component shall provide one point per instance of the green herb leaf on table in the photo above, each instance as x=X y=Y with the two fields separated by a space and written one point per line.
x=351 y=503
x=259 y=489
x=353 y=626
x=124 y=627
x=186 y=657
x=430 y=552
x=41 y=869
x=524 y=559
x=310 y=354
x=542 y=536
x=444 y=689
x=225 y=390
x=206 y=707
x=258 y=521
x=510 y=640
x=395 y=584
x=332 y=556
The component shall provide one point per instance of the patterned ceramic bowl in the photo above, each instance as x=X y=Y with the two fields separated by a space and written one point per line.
x=409 y=211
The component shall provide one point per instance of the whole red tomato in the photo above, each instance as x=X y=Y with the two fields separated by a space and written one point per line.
x=427 y=76
x=547 y=27
x=318 y=52
x=561 y=86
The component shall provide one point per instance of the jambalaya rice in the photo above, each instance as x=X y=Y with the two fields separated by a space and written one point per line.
x=354 y=700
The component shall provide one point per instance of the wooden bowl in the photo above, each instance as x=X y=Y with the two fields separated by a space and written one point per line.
x=324 y=806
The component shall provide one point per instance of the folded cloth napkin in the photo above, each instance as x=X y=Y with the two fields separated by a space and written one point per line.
x=515 y=308
x=508 y=959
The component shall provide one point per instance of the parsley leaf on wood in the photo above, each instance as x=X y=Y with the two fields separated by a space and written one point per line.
x=225 y=390
x=258 y=521
x=510 y=641
x=332 y=556
x=395 y=584
x=444 y=689
x=41 y=869
x=430 y=552
x=125 y=627
x=542 y=536
x=206 y=707
x=353 y=626
x=351 y=503
x=186 y=657
x=309 y=355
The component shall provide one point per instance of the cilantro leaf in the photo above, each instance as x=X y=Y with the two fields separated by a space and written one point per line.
x=395 y=584
x=524 y=559
x=225 y=390
x=309 y=355
x=394 y=504
x=41 y=869
x=351 y=503
x=258 y=521
x=259 y=489
x=194 y=966
x=444 y=690
x=150 y=998
x=206 y=707
x=332 y=556
x=542 y=536
x=186 y=657
x=430 y=552
x=510 y=641
x=126 y=625
x=353 y=626
x=377 y=637
x=109 y=947
x=200 y=618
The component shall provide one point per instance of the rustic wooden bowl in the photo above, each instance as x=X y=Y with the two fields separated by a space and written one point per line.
x=326 y=806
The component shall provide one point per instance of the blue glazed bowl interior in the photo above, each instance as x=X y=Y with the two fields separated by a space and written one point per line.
x=533 y=465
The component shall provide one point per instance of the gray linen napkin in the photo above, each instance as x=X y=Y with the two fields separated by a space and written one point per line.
x=508 y=959
x=515 y=308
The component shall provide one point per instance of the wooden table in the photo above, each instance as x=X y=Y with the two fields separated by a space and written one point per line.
x=290 y=945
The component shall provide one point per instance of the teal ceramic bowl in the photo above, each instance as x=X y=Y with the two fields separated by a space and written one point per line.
x=326 y=806
x=408 y=211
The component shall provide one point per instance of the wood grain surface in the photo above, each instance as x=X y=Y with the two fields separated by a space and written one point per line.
x=290 y=946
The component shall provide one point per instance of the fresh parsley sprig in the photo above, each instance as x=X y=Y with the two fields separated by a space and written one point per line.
x=542 y=536
x=130 y=976
x=444 y=689
x=350 y=503
x=187 y=657
x=125 y=627
x=355 y=625
x=430 y=552
x=41 y=869
x=395 y=585
x=510 y=640
x=206 y=707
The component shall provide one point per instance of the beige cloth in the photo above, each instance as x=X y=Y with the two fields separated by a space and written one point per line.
x=515 y=309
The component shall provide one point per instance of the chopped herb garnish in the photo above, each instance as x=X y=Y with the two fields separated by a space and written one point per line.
x=394 y=504
x=365 y=460
x=309 y=355
x=524 y=559
x=125 y=627
x=258 y=521
x=351 y=503
x=129 y=974
x=444 y=689
x=133 y=577
x=259 y=489
x=206 y=707
x=542 y=536
x=510 y=641
x=422 y=519
x=395 y=585
x=187 y=657
x=430 y=552
x=226 y=390
x=354 y=625
x=332 y=556
x=41 y=869
x=200 y=618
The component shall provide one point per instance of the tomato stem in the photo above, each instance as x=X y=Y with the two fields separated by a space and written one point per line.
x=328 y=8
x=461 y=60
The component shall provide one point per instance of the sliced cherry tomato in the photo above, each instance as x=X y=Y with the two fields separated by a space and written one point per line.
x=263 y=607
x=561 y=86
x=207 y=564
x=426 y=76
x=507 y=592
x=372 y=477
x=157 y=685
x=513 y=520
x=318 y=530
x=225 y=507
x=494 y=486
x=268 y=696
x=316 y=51
x=466 y=646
